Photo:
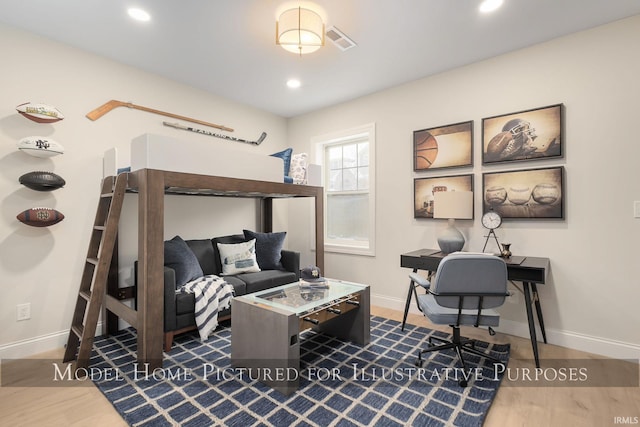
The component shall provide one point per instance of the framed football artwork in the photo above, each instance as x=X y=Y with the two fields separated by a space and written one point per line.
x=425 y=188
x=525 y=194
x=524 y=135
x=443 y=147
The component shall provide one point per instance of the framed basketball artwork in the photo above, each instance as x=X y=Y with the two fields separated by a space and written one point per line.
x=442 y=147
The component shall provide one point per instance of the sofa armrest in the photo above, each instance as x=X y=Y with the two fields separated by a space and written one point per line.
x=170 y=321
x=169 y=296
x=291 y=261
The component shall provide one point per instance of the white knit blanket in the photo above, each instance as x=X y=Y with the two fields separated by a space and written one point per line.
x=213 y=294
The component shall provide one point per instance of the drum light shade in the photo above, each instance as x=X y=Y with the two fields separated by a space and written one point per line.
x=453 y=204
x=300 y=31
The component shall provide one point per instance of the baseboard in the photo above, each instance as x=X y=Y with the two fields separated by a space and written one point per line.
x=36 y=345
x=568 y=339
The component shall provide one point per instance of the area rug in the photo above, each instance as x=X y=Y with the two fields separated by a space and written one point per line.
x=341 y=384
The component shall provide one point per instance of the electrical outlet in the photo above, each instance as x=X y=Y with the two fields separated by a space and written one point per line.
x=23 y=311
x=636 y=209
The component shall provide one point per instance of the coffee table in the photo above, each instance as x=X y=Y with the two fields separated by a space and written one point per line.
x=265 y=326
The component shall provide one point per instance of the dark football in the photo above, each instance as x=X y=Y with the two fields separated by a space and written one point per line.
x=42 y=181
x=40 y=217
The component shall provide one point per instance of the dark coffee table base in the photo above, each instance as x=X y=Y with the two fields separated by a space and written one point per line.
x=265 y=340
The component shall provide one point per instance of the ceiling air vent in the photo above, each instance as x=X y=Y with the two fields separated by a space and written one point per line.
x=340 y=39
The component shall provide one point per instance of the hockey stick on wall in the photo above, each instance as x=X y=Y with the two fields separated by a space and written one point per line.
x=108 y=106
x=217 y=135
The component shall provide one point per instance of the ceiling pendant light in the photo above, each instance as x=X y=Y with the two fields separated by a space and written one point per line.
x=293 y=83
x=300 y=31
x=139 y=14
x=490 y=5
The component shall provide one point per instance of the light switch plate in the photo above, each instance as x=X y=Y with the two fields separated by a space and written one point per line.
x=23 y=311
x=636 y=209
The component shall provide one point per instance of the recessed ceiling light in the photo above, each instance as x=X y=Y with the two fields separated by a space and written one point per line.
x=490 y=5
x=138 y=14
x=293 y=83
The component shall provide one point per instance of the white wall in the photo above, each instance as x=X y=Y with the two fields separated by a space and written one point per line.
x=43 y=266
x=591 y=299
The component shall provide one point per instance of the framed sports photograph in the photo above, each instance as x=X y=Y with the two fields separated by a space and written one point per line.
x=425 y=188
x=442 y=147
x=525 y=194
x=524 y=135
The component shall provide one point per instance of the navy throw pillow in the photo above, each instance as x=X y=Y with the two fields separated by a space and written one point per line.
x=285 y=155
x=268 y=248
x=179 y=256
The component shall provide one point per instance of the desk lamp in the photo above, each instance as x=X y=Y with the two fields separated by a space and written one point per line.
x=452 y=205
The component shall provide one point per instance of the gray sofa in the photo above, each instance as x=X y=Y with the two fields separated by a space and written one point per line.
x=179 y=307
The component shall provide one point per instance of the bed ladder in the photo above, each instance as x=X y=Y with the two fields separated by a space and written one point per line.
x=93 y=285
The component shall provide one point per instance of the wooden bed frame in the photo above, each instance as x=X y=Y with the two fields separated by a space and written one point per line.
x=151 y=185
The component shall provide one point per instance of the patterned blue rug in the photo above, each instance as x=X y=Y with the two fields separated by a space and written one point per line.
x=341 y=384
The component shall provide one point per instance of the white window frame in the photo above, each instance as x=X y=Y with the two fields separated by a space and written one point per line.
x=320 y=143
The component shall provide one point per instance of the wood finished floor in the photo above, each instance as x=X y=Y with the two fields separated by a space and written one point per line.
x=513 y=406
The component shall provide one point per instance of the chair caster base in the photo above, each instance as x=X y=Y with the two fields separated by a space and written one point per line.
x=419 y=363
x=462 y=383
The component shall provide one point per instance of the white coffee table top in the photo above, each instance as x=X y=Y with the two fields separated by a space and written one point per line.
x=299 y=299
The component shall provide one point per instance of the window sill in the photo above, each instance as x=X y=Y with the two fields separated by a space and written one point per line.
x=351 y=250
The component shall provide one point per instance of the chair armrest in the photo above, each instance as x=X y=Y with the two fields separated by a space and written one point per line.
x=416 y=278
x=470 y=294
x=291 y=261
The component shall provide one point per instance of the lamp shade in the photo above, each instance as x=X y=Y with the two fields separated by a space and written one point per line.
x=300 y=30
x=453 y=204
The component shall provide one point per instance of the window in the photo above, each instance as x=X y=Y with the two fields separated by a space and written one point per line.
x=348 y=172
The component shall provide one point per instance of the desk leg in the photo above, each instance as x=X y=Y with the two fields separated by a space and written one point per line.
x=532 y=325
x=408 y=303
x=536 y=300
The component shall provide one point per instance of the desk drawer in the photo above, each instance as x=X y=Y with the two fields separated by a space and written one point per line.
x=523 y=274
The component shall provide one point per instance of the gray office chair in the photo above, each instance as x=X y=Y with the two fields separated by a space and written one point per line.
x=464 y=290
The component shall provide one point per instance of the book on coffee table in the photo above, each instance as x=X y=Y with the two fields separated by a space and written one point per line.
x=313 y=285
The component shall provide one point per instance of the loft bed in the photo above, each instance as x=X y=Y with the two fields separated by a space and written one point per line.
x=151 y=185
x=150 y=151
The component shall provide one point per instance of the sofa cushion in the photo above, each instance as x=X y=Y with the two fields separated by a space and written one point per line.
x=179 y=257
x=239 y=287
x=203 y=250
x=233 y=238
x=238 y=258
x=268 y=248
x=266 y=279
